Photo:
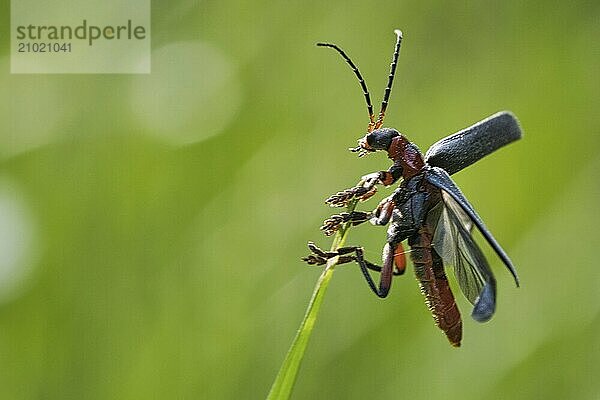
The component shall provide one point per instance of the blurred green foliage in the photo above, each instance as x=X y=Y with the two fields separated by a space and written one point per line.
x=160 y=237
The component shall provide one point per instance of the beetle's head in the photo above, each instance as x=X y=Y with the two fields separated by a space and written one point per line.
x=379 y=139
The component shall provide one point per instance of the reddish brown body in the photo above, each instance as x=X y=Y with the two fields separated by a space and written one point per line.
x=433 y=282
x=429 y=268
x=407 y=156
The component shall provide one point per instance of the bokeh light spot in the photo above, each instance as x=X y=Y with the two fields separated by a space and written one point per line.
x=18 y=247
x=192 y=93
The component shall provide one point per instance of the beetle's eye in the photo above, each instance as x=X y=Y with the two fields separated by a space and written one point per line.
x=370 y=139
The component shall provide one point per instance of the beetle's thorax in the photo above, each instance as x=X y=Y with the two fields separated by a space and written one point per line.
x=407 y=155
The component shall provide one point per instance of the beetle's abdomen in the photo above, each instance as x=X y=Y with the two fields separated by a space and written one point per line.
x=433 y=282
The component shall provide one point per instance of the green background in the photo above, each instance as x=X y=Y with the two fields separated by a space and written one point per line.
x=152 y=226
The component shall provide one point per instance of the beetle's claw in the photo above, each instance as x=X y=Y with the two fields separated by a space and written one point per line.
x=320 y=257
x=341 y=199
x=333 y=223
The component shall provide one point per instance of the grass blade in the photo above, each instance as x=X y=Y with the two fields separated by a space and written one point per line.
x=286 y=377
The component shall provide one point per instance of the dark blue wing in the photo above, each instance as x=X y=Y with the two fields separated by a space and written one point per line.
x=440 y=179
x=457 y=151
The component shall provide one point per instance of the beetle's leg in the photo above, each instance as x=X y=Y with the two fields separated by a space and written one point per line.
x=393 y=255
x=385 y=178
x=341 y=199
x=363 y=191
x=320 y=257
x=370 y=181
x=380 y=216
x=365 y=188
x=399 y=259
x=332 y=224
x=383 y=213
x=385 y=280
x=390 y=258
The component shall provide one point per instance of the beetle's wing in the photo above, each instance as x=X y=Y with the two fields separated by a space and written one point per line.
x=468 y=146
x=440 y=179
x=452 y=240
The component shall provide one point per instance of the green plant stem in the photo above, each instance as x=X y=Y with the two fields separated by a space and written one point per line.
x=286 y=377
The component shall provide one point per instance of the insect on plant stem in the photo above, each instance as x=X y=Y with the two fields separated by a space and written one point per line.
x=427 y=211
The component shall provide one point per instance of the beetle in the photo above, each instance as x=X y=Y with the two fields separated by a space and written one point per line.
x=427 y=210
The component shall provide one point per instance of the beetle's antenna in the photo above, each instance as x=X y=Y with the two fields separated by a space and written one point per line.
x=388 y=89
x=362 y=82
